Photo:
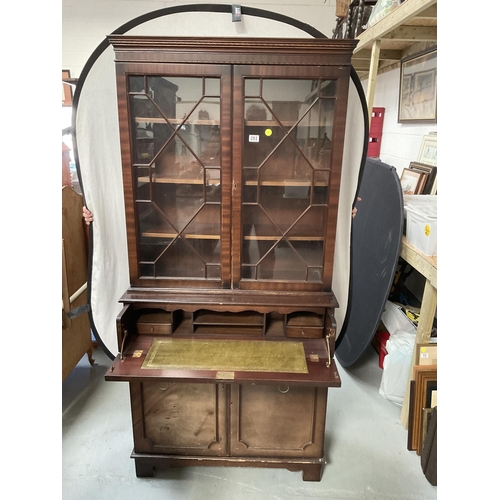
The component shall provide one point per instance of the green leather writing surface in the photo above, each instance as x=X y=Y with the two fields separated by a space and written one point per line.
x=231 y=355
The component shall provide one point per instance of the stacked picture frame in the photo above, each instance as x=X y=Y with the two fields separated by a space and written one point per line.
x=420 y=177
x=423 y=398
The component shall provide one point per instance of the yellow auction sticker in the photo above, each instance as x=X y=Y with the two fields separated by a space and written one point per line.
x=268 y=132
x=427 y=230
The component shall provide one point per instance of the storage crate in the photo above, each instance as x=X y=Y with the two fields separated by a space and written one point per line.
x=421 y=227
x=375 y=136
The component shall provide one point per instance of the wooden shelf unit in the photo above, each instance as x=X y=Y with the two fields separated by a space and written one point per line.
x=427 y=267
x=392 y=38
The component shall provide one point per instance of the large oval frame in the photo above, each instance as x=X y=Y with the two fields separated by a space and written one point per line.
x=213 y=8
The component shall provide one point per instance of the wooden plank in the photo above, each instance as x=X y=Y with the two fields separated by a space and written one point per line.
x=424 y=264
x=372 y=78
x=427 y=313
x=78 y=293
x=429 y=13
x=385 y=54
x=413 y=34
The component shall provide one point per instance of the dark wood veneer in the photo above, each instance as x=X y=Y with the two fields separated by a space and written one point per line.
x=230 y=272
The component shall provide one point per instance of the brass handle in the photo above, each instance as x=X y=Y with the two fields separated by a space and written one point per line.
x=285 y=391
x=328 y=337
x=125 y=332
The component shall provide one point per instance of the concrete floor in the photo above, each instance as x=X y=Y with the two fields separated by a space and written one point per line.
x=365 y=448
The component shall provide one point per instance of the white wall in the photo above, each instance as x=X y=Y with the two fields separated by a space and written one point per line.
x=86 y=24
x=400 y=142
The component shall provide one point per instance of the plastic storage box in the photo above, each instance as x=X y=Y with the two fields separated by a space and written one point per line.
x=421 y=224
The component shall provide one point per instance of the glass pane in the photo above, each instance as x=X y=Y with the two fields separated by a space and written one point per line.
x=177 y=148
x=318 y=122
x=142 y=183
x=206 y=140
x=250 y=181
x=205 y=225
x=163 y=93
x=282 y=263
x=315 y=274
x=310 y=225
x=252 y=87
x=286 y=168
x=310 y=252
x=137 y=84
x=180 y=261
x=179 y=202
x=213 y=272
x=212 y=87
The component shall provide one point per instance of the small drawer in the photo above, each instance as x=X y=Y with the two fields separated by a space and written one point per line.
x=304 y=332
x=154 y=323
x=305 y=325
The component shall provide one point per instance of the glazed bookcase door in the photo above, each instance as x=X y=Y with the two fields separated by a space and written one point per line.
x=289 y=126
x=176 y=170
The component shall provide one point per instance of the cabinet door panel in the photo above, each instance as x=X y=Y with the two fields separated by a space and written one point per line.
x=271 y=420
x=179 y=418
x=178 y=168
x=286 y=123
x=177 y=137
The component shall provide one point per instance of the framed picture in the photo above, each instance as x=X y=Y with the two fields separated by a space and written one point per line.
x=413 y=181
x=429 y=187
x=411 y=413
x=426 y=354
x=428 y=150
x=418 y=89
x=425 y=377
x=426 y=420
x=67 y=91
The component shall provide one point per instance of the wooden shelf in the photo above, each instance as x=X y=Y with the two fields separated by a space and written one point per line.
x=289 y=238
x=414 y=21
x=204 y=230
x=388 y=41
x=248 y=123
x=424 y=264
x=286 y=183
x=181 y=180
x=216 y=181
x=175 y=121
x=162 y=235
x=270 y=123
